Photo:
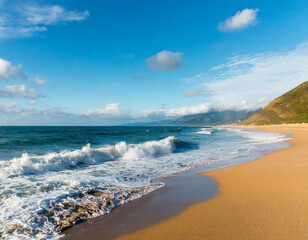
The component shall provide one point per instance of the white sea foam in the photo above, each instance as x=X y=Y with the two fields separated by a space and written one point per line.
x=31 y=182
x=259 y=136
x=31 y=164
x=205 y=131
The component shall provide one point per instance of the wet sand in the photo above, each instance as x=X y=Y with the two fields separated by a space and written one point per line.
x=181 y=191
x=262 y=199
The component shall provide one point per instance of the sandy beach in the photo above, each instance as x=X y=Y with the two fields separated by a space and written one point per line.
x=262 y=199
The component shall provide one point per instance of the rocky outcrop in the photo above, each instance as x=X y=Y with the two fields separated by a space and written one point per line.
x=76 y=208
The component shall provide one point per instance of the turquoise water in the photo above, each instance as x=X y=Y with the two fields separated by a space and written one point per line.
x=41 y=168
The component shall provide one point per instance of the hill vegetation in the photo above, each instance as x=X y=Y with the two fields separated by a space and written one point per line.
x=214 y=118
x=291 y=107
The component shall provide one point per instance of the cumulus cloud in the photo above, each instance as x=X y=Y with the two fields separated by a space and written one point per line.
x=111 y=109
x=111 y=114
x=172 y=113
x=18 y=91
x=195 y=109
x=242 y=19
x=259 y=76
x=8 y=71
x=165 y=61
x=24 y=20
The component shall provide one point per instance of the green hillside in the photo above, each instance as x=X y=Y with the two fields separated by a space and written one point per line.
x=214 y=118
x=291 y=107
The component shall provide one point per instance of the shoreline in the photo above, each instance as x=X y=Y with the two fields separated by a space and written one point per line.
x=181 y=190
x=265 y=198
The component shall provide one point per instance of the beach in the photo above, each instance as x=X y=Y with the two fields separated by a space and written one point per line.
x=140 y=175
x=262 y=199
x=114 y=187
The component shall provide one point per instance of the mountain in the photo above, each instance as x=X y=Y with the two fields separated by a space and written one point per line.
x=291 y=107
x=210 y=118
x=157 y=123
x=215 y=117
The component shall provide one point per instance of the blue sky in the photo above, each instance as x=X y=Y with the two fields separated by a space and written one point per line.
x=111 y=62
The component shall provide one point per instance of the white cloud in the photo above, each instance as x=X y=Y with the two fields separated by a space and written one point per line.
x=31 y=102
x=8 y=71
x=47 y=15
x=18 y=91
x=24 y=20
x=39 y=80
x=109 y=115
x=12 y=114
x=7 y=107
x=165 y=61
x=173 y=112
x=111 y=109
x=198 y=92
x=19 y=32
x=254 y=77
x=242 y=19
x=195 y=109
x=194 y=79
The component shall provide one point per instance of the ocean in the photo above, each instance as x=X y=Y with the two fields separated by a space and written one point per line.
x=52 y=178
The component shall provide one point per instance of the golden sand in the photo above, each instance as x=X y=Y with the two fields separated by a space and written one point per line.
x=262 y=199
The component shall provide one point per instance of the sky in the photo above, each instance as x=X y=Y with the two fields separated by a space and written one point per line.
x=109 y=62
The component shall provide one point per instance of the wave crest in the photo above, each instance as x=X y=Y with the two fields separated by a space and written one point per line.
x=31 y=164
x=205 y=131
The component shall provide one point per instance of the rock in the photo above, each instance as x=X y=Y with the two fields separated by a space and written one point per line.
x=17 y=227
x=80 y=208
x=48 y=213
x=67 y=205
x=94 y=192
x=92 y=207
x=58 y=206
x=63 y=225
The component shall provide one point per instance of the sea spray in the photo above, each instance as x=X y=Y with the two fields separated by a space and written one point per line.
x=66 y=175
x=57 y=215
x=206 y=131
x=31 y=164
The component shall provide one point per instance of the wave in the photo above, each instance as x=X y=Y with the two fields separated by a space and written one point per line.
x=205 y=131
x=74 y=192
x=53 y=216
x=64 y=160
x=256 y=137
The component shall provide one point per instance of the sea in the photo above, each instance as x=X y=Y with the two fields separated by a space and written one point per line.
x=52 y=178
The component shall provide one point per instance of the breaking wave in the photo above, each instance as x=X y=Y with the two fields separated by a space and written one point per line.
x=206 y=131
x=45 y=191
x=32 y=164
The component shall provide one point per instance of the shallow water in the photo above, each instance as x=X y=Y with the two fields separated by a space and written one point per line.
x=49 y=174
